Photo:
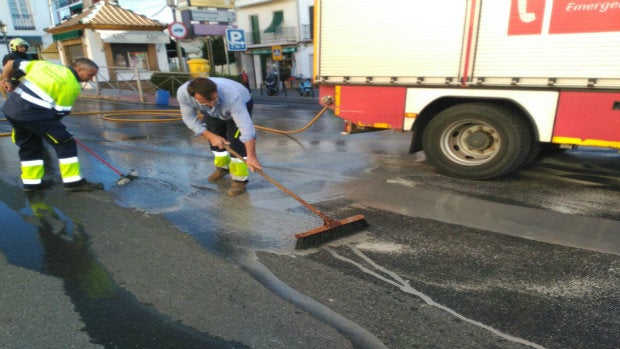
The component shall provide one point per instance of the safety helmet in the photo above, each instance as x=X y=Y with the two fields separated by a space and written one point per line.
x=17 y=42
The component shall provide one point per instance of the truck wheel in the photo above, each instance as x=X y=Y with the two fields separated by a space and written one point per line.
x=477 y=141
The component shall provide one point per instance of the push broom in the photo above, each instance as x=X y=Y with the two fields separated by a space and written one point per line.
x=124 y=178
x=332 y=229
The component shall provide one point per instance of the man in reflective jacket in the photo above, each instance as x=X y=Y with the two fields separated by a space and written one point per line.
x=34 y=109
x=226 y=108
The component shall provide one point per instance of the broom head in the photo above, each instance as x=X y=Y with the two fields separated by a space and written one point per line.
x=332 y=229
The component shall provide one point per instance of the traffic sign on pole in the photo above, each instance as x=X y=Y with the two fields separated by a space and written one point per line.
x=276 y=53
x=235 y=39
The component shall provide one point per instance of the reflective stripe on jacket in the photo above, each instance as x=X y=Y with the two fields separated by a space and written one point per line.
x=51 y=85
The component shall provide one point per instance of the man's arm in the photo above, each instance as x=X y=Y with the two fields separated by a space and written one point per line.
x=251 y=160
x=6 y=75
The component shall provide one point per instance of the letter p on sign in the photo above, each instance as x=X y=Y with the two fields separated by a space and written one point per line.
x=235 y=39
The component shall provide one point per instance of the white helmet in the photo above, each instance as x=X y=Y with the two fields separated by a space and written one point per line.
x=17 y=42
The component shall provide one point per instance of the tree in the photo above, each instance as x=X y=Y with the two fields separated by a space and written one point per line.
x=219 y=52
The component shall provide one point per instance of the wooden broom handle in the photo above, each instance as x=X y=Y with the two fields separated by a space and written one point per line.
x=281 y=187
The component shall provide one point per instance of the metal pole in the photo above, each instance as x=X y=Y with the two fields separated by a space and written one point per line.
x=173 y=6
x=210 y=54
x=226 y=53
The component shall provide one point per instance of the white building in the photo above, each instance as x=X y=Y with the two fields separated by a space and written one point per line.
x=276 y=24
x=25 y=19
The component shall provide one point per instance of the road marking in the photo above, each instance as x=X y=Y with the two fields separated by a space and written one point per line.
x=405 y=287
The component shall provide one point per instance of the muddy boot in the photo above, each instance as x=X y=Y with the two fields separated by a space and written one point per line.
x=236 y=188
x=218 y=174
x=83 y=185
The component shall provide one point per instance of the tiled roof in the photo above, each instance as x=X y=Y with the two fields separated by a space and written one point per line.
x=104 y=15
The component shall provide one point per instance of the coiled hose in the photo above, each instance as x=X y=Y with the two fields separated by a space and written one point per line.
x=170 y=116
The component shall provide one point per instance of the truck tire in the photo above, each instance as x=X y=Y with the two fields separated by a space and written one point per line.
x=477 y=141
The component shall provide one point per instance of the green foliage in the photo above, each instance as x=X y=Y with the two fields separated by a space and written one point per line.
x=169 y=81
x=219 y=52
x=237 y=78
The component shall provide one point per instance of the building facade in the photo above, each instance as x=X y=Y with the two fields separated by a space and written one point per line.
x=25 y=19
x=285 y=25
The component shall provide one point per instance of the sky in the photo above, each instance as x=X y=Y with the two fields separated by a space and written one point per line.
x=155 y=9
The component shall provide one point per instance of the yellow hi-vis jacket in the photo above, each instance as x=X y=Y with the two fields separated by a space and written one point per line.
x=49 y=85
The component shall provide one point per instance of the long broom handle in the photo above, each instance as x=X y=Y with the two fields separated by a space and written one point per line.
x=281 y=187
x=98 y=157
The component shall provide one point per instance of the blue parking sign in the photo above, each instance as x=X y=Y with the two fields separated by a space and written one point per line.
x=235 y=39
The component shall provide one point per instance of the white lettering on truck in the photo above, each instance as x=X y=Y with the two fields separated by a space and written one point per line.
x=525 y=16
x=596 y=6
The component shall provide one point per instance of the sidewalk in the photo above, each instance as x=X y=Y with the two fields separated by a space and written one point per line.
x=151 y=98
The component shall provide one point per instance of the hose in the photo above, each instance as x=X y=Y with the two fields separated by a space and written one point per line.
x=170 y=116
x=175 y=115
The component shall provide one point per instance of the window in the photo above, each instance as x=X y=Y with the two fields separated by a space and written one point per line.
x=21 y=15
x=311 y=9
x=255 y=29
x=130 y=55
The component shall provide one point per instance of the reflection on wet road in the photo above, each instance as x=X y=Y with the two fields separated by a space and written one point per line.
x=41 y=238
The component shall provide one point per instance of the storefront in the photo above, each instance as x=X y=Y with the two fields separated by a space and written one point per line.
x=133 y=49
x=265 y=64
x=114 y=38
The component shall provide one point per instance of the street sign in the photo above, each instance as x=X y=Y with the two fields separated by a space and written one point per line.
x=235 y=39
x=276 y=53
x=213 y=16
x=178 y=30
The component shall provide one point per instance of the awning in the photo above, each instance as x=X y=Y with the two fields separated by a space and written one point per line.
x=267 y=51
x=278 y=18
x=133 y=37
x=67 y=35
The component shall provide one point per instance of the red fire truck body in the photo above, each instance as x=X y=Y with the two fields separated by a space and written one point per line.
x=481 y=84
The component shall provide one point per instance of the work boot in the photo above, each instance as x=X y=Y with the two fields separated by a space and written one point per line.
x=83 y=185
x=44 y=184
x=218 y=174
x=236 y=188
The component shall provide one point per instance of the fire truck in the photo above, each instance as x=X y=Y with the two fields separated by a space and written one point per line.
x=482 y=85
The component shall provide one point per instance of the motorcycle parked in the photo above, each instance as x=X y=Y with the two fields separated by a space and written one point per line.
x=305 y=88
x=272 y=84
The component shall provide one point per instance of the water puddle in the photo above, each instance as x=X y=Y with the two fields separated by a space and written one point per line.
x=39 y=237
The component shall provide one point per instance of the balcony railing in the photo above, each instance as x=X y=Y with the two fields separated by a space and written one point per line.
x=63 y=3
x=23 y=22
x=282 y=34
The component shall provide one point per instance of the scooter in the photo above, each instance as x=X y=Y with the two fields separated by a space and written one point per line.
x=272 y=85
x=305 y=88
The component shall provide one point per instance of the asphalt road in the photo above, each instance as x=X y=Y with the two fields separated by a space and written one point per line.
x=527 y=261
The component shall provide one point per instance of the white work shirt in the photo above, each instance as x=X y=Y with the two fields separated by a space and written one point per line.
x=231 y=104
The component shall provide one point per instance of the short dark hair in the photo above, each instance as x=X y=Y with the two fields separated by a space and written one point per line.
x=84 y=62
x=203 y=86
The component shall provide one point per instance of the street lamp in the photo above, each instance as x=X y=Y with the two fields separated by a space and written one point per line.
x=4 y=37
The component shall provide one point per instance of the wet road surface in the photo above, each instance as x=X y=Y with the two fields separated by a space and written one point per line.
x=530 y=260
